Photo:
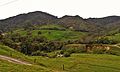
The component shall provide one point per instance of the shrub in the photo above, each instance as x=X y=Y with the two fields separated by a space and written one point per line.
x=8 y=42
x=52 y=55
x=105 y=40
x=66 y=54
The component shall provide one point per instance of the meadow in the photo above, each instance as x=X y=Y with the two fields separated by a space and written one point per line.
x=77 y=62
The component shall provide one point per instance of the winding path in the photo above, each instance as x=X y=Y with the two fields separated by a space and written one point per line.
x=13 y=60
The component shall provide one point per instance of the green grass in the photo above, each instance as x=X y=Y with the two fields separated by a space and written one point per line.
x=5 y=50
x=55 y=34
x=51 y=26
x=10 y=67
x=75 y=63
x=115 y=37
x=61 y=35
x=83 y=63
x=7 y=66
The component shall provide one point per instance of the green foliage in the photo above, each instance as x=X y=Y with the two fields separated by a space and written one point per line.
x=8 y=42
x=66 y=54
x=115 y=37
x=7 y=51
x=29 y=41
x=105 y=40
x=35 y=41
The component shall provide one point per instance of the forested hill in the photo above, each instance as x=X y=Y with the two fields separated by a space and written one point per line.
x=21 y=20
x=106 y=24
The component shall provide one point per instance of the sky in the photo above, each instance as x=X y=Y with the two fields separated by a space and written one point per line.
x=83 y=8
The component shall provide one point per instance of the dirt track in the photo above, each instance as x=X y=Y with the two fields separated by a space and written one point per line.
x=13 y=60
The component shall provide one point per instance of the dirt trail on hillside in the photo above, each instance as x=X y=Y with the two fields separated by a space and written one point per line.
x=116 y=45
x=13 y=60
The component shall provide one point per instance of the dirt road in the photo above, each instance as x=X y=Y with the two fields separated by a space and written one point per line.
x=13 y=60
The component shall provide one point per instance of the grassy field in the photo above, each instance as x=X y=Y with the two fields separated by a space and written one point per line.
x=54 y=34
x=10 y=67
x=66 y=34
x=83 y=63
x=75 y=63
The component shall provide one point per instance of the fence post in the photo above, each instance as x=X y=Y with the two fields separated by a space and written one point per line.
x=63 y=67
x=34 y=60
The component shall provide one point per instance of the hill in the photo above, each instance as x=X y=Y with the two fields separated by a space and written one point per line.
x=25 y=19
x=42 y=18
x=108 y=24
x=14 y=67
x=94 y=25
x=75 y=63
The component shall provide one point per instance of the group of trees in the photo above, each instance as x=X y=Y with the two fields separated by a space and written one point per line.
x=104 y=40
x=30 y=45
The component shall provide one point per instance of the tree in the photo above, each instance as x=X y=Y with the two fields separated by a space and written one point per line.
x=39 y=32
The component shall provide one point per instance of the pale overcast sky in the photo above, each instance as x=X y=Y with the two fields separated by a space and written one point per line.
x=83 y=8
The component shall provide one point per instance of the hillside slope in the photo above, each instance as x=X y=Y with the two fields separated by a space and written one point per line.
x=108 y=24
x=75 y=63
x=13 y=61
x=42 y=18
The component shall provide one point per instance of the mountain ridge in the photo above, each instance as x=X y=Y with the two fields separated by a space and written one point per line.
x=76 y=22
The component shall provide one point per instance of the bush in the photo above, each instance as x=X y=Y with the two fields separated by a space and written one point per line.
x=8 y=42
x=66 y=54
x=52 y=55
x=105 y=40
